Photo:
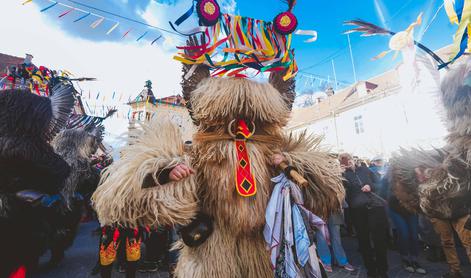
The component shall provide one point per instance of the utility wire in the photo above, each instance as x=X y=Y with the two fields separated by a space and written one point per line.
x=123 y=17
x=340 y=50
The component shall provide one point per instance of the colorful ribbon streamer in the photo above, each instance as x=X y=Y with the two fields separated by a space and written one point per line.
x=311 y=33
x=246 y=43
x=459 y=12
x=186 y=15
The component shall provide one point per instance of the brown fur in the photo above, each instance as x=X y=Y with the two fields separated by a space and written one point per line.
x=218 y=101
x=323 y=196
x=236 y=248
x=120 y=197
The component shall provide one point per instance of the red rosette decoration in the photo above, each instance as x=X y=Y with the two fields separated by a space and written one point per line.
x=285 y=23
x=208 y=12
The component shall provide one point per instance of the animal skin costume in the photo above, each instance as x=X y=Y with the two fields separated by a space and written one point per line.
x=239 y=127
x=445 y=195
x=30 y=173
x=75 y=146
x=236 y=247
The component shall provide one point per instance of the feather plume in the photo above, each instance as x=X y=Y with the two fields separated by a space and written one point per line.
x=367 y=28
x=370 y=29
x=62 y=101
x=110 y=113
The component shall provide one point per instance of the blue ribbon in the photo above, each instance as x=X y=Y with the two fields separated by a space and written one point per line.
x=459 y=6
x=186 y=15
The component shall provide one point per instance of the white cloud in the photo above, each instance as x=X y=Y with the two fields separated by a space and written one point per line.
x=159 y=14
x=228 y=6
x=119 y=66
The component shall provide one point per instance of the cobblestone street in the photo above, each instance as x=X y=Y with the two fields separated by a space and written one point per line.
x=82 y=256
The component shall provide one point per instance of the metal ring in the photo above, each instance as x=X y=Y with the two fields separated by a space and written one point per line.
x=229 y=129
x=253 y=131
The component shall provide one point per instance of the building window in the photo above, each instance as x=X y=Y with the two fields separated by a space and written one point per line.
x=325 y=130
x=358 y=124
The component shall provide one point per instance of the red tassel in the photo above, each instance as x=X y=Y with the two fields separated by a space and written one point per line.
x=19 y=273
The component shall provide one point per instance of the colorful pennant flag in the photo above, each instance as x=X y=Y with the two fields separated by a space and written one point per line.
x=66 y=12
x=112 y=28
x=48 y=7
x=141 y=36
x=99 y=18
x=97 y=22
x=82 y=17
x=126 y=33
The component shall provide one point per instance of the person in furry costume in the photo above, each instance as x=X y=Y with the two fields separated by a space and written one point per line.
x=438 y=183
x=160 y=182
x=31 y=173
x=76 y=147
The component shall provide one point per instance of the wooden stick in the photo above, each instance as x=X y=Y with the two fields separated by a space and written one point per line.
x=294 y=175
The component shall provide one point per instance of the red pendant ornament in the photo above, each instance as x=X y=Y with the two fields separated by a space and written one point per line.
x=285 y=23
x=245 y=181
x=208 y=11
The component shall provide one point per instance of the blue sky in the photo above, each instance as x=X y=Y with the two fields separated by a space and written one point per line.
x=123 y=65
x=326 y=17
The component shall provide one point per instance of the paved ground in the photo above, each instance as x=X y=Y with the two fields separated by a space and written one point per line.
x=82 y=256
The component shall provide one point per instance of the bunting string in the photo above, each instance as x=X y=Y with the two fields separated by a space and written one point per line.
x=100 y=19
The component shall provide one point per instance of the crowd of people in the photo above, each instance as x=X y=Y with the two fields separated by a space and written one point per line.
x=245 y=197
x=379 y=221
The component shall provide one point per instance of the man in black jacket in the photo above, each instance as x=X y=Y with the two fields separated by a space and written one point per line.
x=368 y=215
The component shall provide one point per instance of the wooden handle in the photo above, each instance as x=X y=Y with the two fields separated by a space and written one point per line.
x=295 y=175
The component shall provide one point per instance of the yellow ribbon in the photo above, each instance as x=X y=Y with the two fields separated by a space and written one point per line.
x=463 y=24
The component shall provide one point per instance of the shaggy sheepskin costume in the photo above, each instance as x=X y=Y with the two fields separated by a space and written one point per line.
x=236 y=247
x=438 y=182
x=75 y=146
x=30 y=172
x=447 y=192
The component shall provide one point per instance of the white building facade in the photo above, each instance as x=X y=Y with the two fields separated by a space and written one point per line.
x=378 y=117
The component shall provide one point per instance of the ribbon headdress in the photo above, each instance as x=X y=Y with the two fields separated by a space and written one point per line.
x=228 y=46
x=234 y=44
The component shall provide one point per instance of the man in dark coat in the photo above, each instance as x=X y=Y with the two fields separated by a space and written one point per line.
x=368 y=215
